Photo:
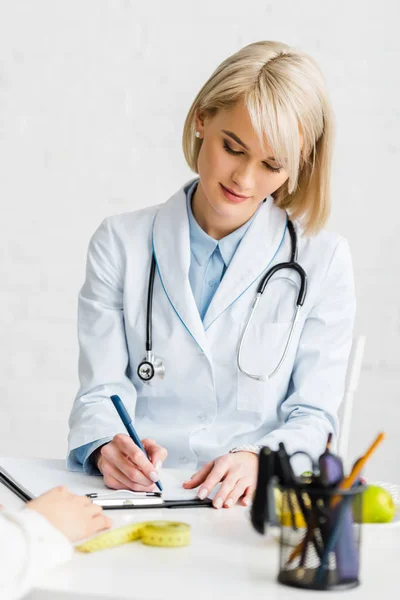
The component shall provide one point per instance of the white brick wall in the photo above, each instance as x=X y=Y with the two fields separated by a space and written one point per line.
x=93 y=95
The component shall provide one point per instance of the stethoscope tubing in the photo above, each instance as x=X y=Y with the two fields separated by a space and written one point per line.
x=150 y=360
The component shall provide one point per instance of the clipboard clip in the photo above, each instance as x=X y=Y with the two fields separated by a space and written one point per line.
x=122 y=495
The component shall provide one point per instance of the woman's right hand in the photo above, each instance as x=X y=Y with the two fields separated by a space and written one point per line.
x=75 y=516
x=125 y=466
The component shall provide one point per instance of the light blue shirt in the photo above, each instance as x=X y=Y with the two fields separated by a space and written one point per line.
x=209 y=260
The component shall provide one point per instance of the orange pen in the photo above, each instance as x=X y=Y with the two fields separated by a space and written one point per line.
x=357 y=468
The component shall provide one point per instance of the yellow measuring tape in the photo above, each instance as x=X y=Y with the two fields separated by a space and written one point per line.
x=168 y=534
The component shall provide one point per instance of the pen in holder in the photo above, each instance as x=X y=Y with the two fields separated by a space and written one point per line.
x=320 y=549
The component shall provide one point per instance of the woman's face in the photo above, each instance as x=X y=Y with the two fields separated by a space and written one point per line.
x=235 y=173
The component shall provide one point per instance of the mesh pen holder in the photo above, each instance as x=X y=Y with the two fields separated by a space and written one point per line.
x=320 y=537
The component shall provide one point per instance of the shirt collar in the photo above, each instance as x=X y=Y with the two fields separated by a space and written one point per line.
x=229 y=244
x=203 y=245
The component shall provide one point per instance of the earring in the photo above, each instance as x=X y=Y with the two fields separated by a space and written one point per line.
x=197 y=134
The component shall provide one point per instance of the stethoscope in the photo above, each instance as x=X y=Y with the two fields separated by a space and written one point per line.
x=152 y=366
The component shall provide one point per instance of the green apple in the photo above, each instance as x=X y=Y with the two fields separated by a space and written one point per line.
x=377 y=505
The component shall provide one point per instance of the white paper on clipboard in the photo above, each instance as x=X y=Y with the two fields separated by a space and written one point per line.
x=34 y=477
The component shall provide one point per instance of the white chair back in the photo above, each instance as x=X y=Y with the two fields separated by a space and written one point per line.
x=352 y=378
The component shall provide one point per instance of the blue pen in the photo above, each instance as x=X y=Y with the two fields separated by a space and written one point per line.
x=127 y=421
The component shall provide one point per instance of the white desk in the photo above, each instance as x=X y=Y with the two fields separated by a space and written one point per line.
x=226 y=559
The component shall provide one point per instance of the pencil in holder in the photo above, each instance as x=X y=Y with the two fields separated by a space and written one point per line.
x=320 y=537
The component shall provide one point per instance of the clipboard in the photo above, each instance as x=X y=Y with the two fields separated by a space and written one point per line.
x=29 y=478
x=19 y=491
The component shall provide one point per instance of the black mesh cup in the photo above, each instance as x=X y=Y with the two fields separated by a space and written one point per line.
x=320 y=537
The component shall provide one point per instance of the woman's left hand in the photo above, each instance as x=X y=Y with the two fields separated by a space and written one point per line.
x=238 y=473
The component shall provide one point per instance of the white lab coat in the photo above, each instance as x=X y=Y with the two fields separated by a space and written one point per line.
x=29 y=546
x=204 y=407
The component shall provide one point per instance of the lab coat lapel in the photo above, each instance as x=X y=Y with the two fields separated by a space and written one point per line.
x=253 y=257
x=171 y=244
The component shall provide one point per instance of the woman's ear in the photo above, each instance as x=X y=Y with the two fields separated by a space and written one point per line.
x=200 y=118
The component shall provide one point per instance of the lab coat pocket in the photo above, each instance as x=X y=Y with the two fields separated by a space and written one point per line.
x=262 y=350
x=156 y=401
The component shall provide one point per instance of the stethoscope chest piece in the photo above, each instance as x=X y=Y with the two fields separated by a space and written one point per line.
x=150 y=367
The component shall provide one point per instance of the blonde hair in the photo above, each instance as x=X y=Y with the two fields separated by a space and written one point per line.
x=284 y=92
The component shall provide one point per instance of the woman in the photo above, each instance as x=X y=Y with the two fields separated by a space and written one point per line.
x=38 y=537
x=259 y=135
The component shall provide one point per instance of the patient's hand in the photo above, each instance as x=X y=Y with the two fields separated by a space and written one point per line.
x=75 y=516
